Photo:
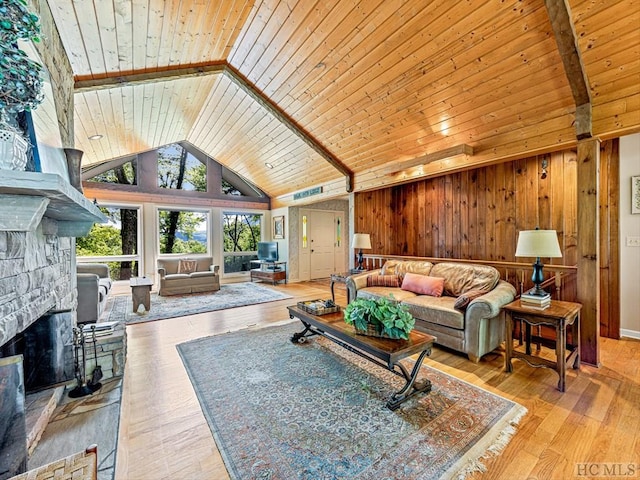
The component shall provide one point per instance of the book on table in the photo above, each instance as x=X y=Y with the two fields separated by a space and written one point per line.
x=535 y=301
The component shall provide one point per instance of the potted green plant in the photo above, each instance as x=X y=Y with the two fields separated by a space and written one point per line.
x=380 y=317
x=20 y=79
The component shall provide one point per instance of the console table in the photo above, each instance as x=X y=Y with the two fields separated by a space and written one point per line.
x=558 y=315
x=273 y=272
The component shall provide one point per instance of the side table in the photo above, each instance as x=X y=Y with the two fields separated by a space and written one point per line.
x=341 y=277
x=558 y=315
x=141 y=292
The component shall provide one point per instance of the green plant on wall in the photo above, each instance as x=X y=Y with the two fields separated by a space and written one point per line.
x=20 y=77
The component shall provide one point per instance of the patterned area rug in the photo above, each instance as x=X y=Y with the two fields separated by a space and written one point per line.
x=279 y=410
x=229 y=296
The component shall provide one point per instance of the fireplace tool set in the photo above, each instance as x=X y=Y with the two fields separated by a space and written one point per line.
x=85 y=387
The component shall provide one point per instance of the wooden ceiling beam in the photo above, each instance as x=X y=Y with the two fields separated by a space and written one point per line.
x=237 y=78
x=462 y=149
x=138 y=78
x=304 y=135
x=564 y=32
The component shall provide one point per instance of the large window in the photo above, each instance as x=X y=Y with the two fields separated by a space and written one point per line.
x=182 y=231
x=241 y=233
x=179 y=170
x=115 y=243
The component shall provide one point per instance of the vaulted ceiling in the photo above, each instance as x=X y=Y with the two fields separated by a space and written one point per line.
x=347 y=94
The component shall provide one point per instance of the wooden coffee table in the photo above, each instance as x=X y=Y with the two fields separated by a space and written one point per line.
x=384 y=352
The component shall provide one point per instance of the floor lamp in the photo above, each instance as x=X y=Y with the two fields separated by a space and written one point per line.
x=360 y=241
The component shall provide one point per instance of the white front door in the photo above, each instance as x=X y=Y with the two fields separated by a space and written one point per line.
x=322 y=249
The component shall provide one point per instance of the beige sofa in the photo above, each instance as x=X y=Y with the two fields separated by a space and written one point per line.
x=476 y=329
x=187 y=275
x=94 y=285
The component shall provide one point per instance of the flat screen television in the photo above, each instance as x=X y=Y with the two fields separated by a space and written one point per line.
x=268 y=251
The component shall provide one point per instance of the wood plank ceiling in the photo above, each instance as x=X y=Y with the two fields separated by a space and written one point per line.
x=381 y=85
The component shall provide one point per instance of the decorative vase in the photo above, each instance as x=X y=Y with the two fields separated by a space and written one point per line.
x=74 y=160
x=13 y=150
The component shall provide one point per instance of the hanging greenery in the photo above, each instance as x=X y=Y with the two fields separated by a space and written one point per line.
x=20 y=77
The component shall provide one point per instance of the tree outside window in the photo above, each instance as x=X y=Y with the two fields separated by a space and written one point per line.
x=182 y=231
x=118 y=237
x=241 y=233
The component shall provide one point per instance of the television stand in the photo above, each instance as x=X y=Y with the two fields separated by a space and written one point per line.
x=273 y=272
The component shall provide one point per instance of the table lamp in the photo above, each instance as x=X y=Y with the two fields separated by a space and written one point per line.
x=538 y=243
x=360 y=241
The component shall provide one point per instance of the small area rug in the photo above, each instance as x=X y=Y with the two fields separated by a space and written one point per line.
x=229 y=296
x=279 y=410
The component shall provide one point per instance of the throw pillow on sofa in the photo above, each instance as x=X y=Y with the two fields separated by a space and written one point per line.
x=383 y=281
x=187 y=266
x=423 y=284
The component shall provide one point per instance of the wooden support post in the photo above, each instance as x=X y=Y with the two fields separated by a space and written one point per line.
x=588 y=248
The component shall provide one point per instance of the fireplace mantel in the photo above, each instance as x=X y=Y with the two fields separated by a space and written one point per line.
x=25 y=197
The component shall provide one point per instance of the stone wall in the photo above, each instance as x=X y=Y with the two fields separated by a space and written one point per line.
x=55 y=60
x=35 y=277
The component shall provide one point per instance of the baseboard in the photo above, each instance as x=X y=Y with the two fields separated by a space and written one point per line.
x=629 y=333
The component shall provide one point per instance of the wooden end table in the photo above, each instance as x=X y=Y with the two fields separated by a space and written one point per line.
x=558 y=315
x=141 y=292
x=383 y=352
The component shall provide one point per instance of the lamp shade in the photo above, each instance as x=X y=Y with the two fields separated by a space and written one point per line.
x=538 y=243
x=361 y=240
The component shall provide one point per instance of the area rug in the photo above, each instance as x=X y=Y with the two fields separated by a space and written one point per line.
x=279 y=410
x=229 y=296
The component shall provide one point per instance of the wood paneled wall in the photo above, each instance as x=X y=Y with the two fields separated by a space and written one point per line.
x=476 y=214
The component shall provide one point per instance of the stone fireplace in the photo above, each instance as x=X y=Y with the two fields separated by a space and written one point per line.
x=40 y=216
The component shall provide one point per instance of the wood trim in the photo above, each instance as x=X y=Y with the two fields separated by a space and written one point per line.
x=588 y=249
x=567 y=41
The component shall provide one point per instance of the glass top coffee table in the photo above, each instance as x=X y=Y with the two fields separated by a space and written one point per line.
x=384 y=352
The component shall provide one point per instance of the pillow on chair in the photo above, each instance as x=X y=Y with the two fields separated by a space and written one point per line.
x=187 y=266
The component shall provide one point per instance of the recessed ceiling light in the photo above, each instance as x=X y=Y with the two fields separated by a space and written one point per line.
x=268 y=165
x=97 y=136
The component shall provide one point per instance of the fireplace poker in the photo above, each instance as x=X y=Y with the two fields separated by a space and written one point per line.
x=81 y=389
x=94 y=383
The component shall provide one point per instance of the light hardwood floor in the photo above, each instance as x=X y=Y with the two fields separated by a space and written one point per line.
x=164 y=435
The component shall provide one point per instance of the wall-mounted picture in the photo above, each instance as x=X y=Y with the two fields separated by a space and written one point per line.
x=635 y=194
x=278 y=227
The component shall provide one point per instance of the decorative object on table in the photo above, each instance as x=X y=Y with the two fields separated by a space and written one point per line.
x=74 y=166
x=333 y=393
x=319 y=307
x=278 y=227
x=538 y=243
x=20 y=80
x=535 y=301
x=379 y=317
x=635 y=194
x=360 y=241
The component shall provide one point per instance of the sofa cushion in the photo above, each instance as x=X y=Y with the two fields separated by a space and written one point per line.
x=439 y=310
x=375 y=292
x=187 y=266
x=207 y=273
x=465 y=299
x=400 y=267
x=383 y=281
x=423 y=284
x=462 y=277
